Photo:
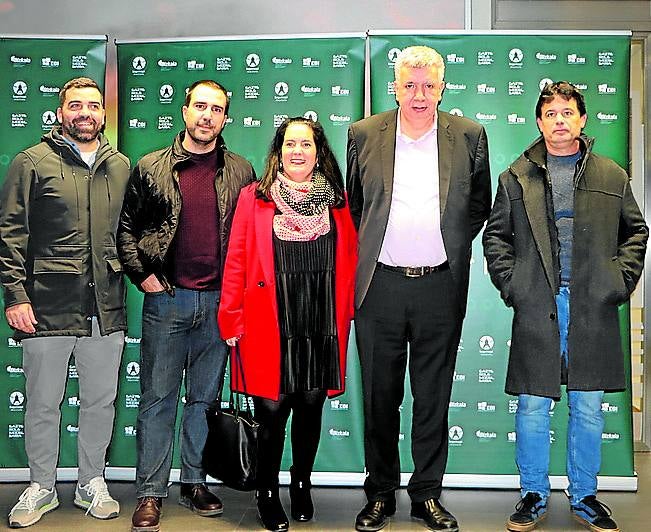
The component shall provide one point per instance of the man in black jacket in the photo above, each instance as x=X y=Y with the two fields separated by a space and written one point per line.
x=565 y=245
x=64 y=293
x=172 y=240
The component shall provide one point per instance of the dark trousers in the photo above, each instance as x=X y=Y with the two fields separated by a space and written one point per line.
x=307 y=410
x=423 y=313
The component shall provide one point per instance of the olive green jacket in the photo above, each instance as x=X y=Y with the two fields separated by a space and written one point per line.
x=58 y=220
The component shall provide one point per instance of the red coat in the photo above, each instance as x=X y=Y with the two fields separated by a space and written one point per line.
x=248 y=306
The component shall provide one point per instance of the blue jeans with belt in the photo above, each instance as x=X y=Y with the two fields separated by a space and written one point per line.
x=585 y=427
x=180 y=338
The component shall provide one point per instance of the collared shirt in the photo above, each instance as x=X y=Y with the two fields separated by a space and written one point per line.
x=413 y=235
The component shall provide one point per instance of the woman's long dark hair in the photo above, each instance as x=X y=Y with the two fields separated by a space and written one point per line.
x=326 y=160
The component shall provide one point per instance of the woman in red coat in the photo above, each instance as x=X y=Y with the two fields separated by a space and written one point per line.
x=287 y=300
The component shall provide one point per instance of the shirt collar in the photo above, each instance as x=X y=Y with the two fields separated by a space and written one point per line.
x=408 y=140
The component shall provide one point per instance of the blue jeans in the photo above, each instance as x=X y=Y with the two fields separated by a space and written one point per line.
x=179 y=334
x=585 y=426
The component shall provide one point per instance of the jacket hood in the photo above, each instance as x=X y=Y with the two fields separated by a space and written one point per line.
x=55 y=139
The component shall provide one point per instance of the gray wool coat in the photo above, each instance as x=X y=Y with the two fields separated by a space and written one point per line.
x=522 y=252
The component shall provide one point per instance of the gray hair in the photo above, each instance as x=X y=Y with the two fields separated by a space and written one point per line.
x=419 y=57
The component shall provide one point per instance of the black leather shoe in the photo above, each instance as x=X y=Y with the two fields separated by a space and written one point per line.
x=436 y=517
x=302 y=506
x=200 y=500
x=271 y=512
x=375 y=515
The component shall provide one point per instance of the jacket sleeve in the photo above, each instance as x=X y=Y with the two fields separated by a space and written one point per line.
x=498 y=243
x=129 y=228
x=353 y=181
x=14 y=229
x=230 y=315
x=632 y=238
x=350 y=241
x=480 y=196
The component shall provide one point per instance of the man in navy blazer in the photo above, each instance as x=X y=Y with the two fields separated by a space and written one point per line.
x=419 y=190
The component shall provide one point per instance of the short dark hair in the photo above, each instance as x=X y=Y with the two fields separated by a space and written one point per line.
x=79 y=83
x=565 y=90
x=328 y=165
x=209 y=83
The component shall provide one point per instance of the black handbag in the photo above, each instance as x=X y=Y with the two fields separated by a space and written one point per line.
x=231 y=450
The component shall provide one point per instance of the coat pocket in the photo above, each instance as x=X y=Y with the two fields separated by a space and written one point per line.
x=114 y=297
x=618 y=292
x=57 y=284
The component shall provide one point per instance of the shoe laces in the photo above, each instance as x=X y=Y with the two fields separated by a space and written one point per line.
x=143 y=501
x=598 y=508
x=528 y=502
x=197 y=488
x=99 y=491
x=29 y=497
x=376 y=507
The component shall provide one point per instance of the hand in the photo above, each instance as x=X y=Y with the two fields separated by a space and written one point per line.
x=21 y=317
x=232 y=341
x=152 y=284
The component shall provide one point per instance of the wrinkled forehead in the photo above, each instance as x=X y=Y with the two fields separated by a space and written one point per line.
x=83 y=95
x=208 y=95
x=418 y=74
x=559 y=103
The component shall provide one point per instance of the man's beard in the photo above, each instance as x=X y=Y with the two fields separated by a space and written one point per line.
x=203 y=141
x=80 y=135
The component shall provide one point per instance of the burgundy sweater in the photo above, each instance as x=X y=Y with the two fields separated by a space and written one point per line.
x=196 y=243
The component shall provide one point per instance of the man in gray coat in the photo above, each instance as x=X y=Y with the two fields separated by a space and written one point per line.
x=565 y=245
x=64 y=293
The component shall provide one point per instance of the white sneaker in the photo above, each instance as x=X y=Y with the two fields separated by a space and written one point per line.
x=95 y=498
x=33 y=504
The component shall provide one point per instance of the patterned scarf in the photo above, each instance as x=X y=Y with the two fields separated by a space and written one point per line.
x=303 y=207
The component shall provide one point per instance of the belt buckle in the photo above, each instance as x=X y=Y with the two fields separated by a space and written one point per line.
x=413 y=271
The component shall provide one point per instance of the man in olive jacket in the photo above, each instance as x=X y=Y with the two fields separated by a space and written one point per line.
x=172 y=240
x=64 y=293
x=565 y=245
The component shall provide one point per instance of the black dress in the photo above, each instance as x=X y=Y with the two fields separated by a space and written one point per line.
x=306 y=313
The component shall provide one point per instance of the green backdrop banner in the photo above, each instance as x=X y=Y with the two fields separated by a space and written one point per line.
x=491 y=78
x=268 y=80
x=495 y=80
x=33 y=70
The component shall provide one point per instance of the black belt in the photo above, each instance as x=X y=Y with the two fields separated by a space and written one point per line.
x=415 y=271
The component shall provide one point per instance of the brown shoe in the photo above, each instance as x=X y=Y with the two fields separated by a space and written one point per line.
x=200 y=500
x=146 y=517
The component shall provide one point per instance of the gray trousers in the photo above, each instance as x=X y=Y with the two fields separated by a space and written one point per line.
x=45 y=363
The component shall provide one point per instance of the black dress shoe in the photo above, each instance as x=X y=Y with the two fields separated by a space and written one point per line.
x=302 y=506
x=436 y=517
x=271 y=512
x=375 y=515
x=200 y=500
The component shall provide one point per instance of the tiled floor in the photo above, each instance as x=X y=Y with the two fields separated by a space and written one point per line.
x=477 y=510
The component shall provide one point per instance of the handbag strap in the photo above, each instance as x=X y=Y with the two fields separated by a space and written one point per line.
x=239 y=367
x=239 y=374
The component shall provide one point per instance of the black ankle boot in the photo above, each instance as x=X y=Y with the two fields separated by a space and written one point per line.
x=270 y=510
x=299 y=493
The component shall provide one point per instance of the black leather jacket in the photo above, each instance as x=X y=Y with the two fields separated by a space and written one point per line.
x=152 y=205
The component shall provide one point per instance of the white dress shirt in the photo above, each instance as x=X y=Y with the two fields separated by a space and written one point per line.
x=413 y=235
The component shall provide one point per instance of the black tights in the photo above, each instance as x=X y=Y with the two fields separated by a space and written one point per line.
x=307 y=409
